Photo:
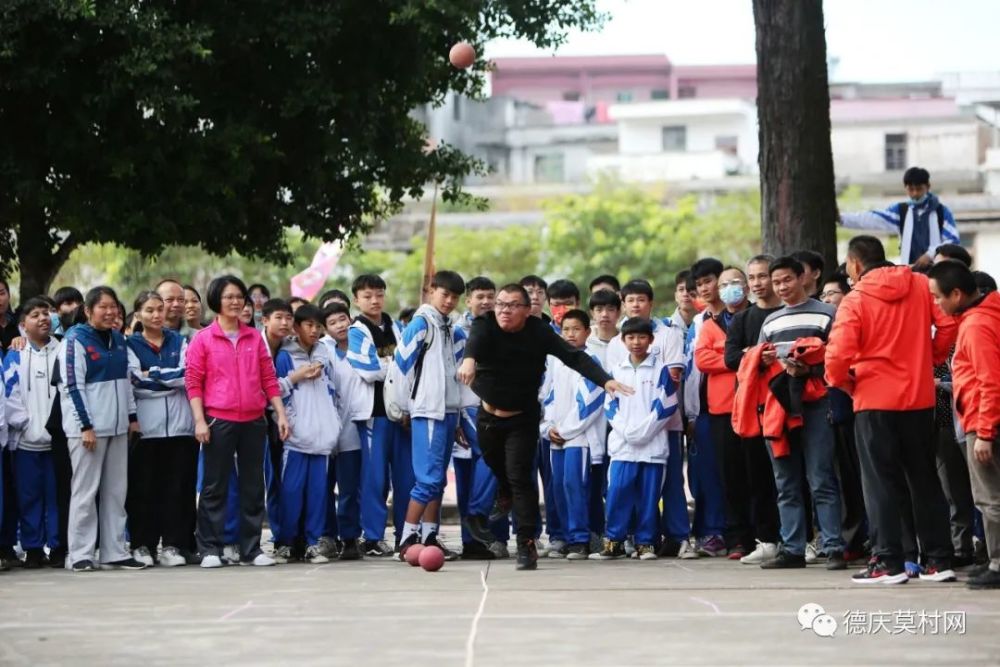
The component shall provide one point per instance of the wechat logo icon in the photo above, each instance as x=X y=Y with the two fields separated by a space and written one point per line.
x=813 y=617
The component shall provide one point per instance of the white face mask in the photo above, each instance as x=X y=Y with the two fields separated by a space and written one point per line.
x=732 y=295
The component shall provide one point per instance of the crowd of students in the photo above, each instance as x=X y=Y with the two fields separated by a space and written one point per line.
x=823 y=417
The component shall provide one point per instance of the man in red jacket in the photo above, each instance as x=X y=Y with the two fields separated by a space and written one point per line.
x=976 y=382
x=882 y=352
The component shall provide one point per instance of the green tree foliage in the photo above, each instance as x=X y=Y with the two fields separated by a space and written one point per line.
x=222 y=124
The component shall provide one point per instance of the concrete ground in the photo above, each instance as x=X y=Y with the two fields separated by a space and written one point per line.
x=707 y=611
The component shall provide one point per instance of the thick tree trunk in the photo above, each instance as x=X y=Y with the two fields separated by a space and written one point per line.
x=39 y=256
x=798 y=198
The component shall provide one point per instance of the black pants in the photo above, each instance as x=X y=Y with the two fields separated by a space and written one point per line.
x=851 y=494
x=953 y=471
x=245 y=440
x=763 y=493
x=162 y=474
x=509 y=447
x=64 y=476
x=733 y=473
x=896 y=449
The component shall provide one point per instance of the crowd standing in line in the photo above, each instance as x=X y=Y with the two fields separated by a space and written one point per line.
x=824 y=416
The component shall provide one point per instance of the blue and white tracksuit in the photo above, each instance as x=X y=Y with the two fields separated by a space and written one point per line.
x=574 y=408
x=343 y=514
x=385 y=445
x=29 y=396
x=311 y=407
x=435 y=405
x=639 y=447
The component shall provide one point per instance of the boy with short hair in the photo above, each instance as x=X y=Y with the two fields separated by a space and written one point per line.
x=385 y=445
x=605 y=313
x=276 y=326
x=305 y=374
x=344 y=508
x=29 y=396
x=638 y=444
x=537 y=293
x=428 y=356
x=563 y=296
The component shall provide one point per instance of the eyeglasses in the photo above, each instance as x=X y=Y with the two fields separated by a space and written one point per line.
x=233 y=297
x=502 y=306
x=830 y=293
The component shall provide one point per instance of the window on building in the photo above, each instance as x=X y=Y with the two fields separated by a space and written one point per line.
x=674 y=138
x=571 y=96
x=685 y=92
x=728 y=143
x=895 y=152
x=624 y=96
x=659 y=94
x=550 y=168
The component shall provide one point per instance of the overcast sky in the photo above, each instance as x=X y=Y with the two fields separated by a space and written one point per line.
x=874 y=40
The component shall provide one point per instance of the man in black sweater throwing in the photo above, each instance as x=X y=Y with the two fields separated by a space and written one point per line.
x=504 y=363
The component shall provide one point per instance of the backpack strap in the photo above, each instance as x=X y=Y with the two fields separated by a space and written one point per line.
x=419 y=366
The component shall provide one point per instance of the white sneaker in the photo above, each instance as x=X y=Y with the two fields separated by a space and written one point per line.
x=687 y=551
x=556 y=549
x=142 y=555
x=282 y=554
x=211 y=561
x=231 y=554
x=542 y=549
x=328 y=547
x=315 y=556
x=764 y=551
x=171 y=557
x=811 y=554
x=262 y=560
x=629 y=547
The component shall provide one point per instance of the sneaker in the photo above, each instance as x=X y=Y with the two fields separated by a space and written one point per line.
x=143 y=556
x=171 y=557
x=282 y=554
x=557 y=549
x=765 y=551
x=962 y=560
x=596 y=542
x=629 y=547
x=712 y=546
x=476 y=551
x=315 y=556
x=9 y=559
x=612 y=550
x=260 y=560
x=84 y=566
x=433 y=541
x=478 y=527
x=878 y=572
x=737 y=552
x=501 y=508
x=784 y=561
x=57 y=558
x=577 y=552
x=811 y=554
x=836 y=561
x=668 y=548
x=687 y=551
x=350 y=551
x=211 y=561
x=34 y=559
x=328 y=547
x=646 y=552
x=937 y=572
x=124 y=564
x=411 y=540
x=977 y=571
x=377 y=549
x=527 y=556
x=499 y=549
x=912 y=569
x=231 y=554
x=985 y=580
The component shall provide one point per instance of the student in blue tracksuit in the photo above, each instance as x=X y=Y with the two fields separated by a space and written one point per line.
x=385 y=445
x=428 y=358
x=343 y=512
x=276 y=326
x=638 y=444
x=163 y=464
x=98 y=410
x=305 y=373
x=3 y=440
x=30 y=395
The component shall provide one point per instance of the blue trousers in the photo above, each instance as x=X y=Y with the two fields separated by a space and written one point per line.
x=36 y=499
x=706 y=485
x=386 y=459
x=303 y=494
x=675 y=524
x=634 y=490
x=433 y=441
x=598 y=491
x=343 y=509
x=553 y=522
x=272 y=484
x=571 y=478
x=8 y=499
x=332 y=528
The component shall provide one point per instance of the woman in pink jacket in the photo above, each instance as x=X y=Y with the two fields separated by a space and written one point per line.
x=230 y=380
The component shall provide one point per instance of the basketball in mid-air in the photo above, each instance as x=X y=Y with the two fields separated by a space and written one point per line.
x=462 y=55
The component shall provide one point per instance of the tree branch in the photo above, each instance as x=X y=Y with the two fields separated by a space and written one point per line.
x=62 y=253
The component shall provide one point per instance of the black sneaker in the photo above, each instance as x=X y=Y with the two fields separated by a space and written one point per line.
x=377 y=549
x=433 y=541
x=350 y=551
x=669 y=548
x=124 y=564
x=501 y=508
x=784 y=561
x=9 y=559
x=938 y=571
x=84 y=566
x=578 y=551
x=527 y=556
x=476 y=551
x=977 y=570
x=479 y=529
x=880 y=572
x=963 y=560
x=412 y=539
x=986 y=580
x=34 y=559
x=612 y=550
x=835 y=561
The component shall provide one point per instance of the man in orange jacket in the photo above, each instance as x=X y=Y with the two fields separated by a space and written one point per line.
x=976 y=383
x=882 y=352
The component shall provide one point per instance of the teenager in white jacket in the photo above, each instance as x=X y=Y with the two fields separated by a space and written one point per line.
x=638 y=443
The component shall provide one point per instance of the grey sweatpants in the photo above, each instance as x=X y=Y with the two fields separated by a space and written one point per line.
x=986 y=495
x=103 y=470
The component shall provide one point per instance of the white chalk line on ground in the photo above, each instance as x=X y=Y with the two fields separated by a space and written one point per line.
x=707 y=603
x=229 y=615
x=470 y=642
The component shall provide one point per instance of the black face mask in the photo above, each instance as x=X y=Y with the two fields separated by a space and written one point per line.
x=67 y=319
